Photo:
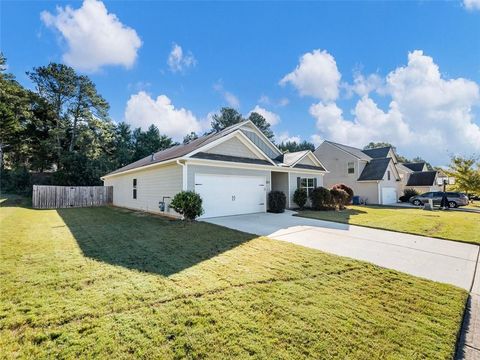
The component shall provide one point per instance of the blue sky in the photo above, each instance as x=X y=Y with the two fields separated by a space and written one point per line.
x=237 y=53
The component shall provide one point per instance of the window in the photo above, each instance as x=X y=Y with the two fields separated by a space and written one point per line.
x=388 y=175
x=134 y=188
x=308 y=184
x=351 y=167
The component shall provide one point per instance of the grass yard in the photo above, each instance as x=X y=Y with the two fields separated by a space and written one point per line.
x=451 y=225
x=110 y=283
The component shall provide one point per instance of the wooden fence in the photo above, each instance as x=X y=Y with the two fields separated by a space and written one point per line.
x=52 y=197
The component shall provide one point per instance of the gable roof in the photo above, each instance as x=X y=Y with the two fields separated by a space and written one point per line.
x=289 y=159
x=417 y=166
x=378 y=152
x=375 y=169
x=358 y=153
x=402 y=167
x=177 y=151
x=422 y=178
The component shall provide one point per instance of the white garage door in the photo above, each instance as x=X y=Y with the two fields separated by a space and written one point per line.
x=389 y=195
x=224 y=195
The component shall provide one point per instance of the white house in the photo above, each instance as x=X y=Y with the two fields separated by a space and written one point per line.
x=233 y=171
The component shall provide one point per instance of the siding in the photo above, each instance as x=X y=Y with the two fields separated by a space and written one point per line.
x=152 y=186
x=293 y=185
x=260 y=143
x=307 y=161
x=280 y=182
x=233 y=147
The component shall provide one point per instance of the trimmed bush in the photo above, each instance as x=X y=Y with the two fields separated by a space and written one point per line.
x=300 y=197
x=339 y=197
x=321 y=199
x=277 y=201
x=407 y=194
x=188 y=204
x=347 y=189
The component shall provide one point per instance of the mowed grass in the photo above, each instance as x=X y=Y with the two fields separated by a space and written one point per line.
x=451 y=225
x=110 y=283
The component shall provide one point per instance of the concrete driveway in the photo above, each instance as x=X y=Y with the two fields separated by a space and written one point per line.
x=435 y=259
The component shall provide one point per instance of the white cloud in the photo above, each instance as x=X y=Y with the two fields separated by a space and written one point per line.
x=364 y=85
x=94 y=37
x=428 y=115
x=271 y=117
x=142 y=111
x=178 y=61
x=472 y=4
x=229 y=97
x=316 y=75
x=265 y=100
x=286 y=137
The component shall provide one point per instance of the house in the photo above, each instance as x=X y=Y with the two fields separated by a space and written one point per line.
x=232 y=170
x=371 y=174
x=375 y=175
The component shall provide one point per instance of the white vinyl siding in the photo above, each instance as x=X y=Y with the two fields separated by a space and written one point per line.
x=233 y=147
x=307 y=161
x=260 y=143
x=152 y=185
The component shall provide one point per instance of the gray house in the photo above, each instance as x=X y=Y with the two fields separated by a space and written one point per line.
x=233 y=171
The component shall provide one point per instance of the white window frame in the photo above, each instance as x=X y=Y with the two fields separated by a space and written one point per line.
x=307 y=188
x=348 y=167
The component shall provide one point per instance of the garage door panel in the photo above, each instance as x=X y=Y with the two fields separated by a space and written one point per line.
x=389 y=195
x=225 y=195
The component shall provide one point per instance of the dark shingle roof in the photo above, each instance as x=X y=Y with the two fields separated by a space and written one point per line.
x=310 y=167
x=219 y=157
x=375 y=169
x=422 y=178
x=418 y=166
x=377 y=153
x=176 y=151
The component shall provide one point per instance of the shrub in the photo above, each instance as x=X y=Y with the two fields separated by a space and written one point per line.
x=347 y=189
x=277 y=201
x=321 y=199
x=339 y=198
x=188 y=204
x=300 y=197
x=407 y=194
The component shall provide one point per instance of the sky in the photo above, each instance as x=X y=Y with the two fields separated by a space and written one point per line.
x=403 y=72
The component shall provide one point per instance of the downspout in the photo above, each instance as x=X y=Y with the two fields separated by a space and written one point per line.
x=184 y=175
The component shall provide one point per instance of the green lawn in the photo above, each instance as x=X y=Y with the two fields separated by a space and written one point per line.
x=110 y=283
x=452 y=225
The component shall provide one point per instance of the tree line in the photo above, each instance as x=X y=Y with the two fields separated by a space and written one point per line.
x=60 y=132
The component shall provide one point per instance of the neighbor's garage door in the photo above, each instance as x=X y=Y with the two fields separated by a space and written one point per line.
x=231 y=194
x=389 y=195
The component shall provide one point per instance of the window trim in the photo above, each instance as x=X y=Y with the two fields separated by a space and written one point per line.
x=134 y=189
x=308 y=188
x=350 y=168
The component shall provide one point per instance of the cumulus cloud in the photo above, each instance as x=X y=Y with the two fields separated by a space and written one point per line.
x=316 y=75
x=271 y=117
x=428 y=115
x=231 y=99
x=364 y=85
x=94 y=36
x=178 y=61
x=472 y=4
x=142 y=110
x=286 y=137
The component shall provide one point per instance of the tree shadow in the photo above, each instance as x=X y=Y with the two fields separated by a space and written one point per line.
x=13 y=200
x=147 y=243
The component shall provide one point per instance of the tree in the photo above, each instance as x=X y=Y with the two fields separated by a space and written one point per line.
x=466 y=172
x=190 y=137
x=226 y=118
x=262 y=124
x=56 y=83
x=293 y=146
x=149 y=142
x=124 y=149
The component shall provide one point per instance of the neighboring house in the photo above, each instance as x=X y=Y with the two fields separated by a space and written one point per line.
x=232 y=170
x=375 y=175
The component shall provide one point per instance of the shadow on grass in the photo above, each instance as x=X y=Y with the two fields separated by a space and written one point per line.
x=13 y=200
x=145 y=242
x=341 y=216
